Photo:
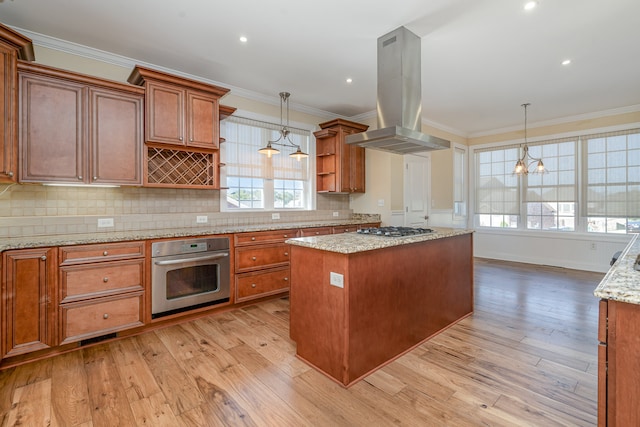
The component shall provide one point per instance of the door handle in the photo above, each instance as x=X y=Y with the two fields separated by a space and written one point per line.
x=186 y=260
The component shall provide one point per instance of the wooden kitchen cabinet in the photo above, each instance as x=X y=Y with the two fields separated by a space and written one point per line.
x=28 y=309
x=261 y=263
x=13 y=46
x=101 y=289
x=340 y=167
x=180 y=111
x=78 y=129
x=315 y=231
x=618 y=374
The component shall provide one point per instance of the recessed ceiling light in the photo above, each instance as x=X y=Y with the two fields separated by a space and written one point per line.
x=530 y=5
x=349 y=80
x=566 y=62
x=243 y=39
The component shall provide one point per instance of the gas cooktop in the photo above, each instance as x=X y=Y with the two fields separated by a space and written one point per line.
x=395 y=231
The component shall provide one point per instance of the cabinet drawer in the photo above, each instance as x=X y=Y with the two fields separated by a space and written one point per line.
x=316 y=231
x=94 y=280
x=103 y=252
x=256 y=285
x=100 y=317
x=264 y=256
x=345 y=229
x=275 y=236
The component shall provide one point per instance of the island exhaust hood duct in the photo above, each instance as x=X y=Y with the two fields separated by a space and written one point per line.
x=399 y=99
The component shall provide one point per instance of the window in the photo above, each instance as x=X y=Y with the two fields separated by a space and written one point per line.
x=255 y=181
x=497 y=193
x=459 y=182
x=612 y=181
x=607 y=198
x=536 y=202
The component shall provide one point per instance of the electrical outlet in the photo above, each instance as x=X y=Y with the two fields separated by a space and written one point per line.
x=202 y=219
x=336 y=214
x=105 y=222
x=336 y=279
x=593 y=246
x=275 y=215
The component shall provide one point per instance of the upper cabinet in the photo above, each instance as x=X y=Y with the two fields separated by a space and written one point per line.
x=179 y=111
x=13 y=46
x=78 y=129
x=340 y=167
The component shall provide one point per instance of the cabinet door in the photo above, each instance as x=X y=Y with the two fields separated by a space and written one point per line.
x=28 y=301
x=52 y=136
x=8 y=115
x=115 y=137
x=203 y=122
x=164 y=114
x=357 y=173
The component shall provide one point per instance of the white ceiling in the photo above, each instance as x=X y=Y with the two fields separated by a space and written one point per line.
x=481 y=59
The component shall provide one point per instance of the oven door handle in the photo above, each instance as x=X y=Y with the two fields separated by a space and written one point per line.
x=186 y=260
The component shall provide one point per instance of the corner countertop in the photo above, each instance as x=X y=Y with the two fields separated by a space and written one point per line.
x=349 y=243
x=622 y=282
x=122 y=236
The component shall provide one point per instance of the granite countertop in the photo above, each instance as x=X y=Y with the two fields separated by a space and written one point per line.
x=121 y=236
x=349 y=243
x=622 y=282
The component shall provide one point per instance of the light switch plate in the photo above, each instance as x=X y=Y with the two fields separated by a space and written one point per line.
x=336 y=279
x=202 y=219
x=336 y=214
x=275 y=215
x=105 y=222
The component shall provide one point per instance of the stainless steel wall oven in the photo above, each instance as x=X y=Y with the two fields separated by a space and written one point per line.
x=187 y=274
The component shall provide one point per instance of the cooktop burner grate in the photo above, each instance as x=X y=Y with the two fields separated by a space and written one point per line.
x=395 y=231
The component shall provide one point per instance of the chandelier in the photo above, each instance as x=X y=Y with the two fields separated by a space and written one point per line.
x=269 y=150
x=526 y=161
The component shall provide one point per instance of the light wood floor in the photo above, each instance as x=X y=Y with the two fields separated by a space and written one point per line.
x=527 y=356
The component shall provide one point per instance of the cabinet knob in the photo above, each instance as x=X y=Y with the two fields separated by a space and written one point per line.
x=180 y=138
x=285 y=235
x=43 y=257
x=95 y=178
x=80 y=177
x=105 y=316
x=105 y=279
x=286 y=254
x=10 y=174
x=253 y=238
x=190 y=139
x=286 y=279
x=317 y=232
x=253 y=258
x=105 y=253
x=253 y=285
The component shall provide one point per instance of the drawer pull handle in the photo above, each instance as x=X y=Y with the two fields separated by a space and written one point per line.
x=105 y=316
x=253 y=285
x=286 y=254
x=286 y=279
x=253 y=238
x=105 y=253
x=317 y=232
x=43 y=257
x=285 y=235
x=254 y=258
x=105 y=279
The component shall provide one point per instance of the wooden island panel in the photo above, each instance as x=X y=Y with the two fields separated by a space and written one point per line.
x=393 y=299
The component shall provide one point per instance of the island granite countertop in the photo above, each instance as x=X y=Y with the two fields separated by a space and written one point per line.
x=622 y=282
x=349 y=243
x=122 y=236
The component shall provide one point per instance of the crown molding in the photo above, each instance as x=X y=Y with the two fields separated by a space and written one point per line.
x=126 y=62
x=562 y=120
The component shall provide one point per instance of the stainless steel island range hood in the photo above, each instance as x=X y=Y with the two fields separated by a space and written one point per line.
x=399 y=99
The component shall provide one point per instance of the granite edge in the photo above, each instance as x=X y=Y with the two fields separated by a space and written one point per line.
x=622 y=282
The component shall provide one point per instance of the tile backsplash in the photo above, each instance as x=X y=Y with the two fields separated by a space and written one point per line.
x=36 y=210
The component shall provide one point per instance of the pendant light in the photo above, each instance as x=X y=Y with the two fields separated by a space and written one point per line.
x=526 y=161
x=269 y=150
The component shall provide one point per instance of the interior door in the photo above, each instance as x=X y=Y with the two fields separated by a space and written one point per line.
x=417 y=189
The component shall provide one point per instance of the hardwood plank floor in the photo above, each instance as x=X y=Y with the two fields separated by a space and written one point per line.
x=527 y=356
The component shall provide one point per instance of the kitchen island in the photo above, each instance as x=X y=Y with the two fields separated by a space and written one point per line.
x=619 y=337
x=360 y=301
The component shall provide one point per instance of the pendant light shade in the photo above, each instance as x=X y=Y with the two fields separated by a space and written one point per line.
x=283 y=139
x=524 y=163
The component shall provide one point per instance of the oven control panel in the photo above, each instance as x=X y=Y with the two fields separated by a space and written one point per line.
x=187 y=248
